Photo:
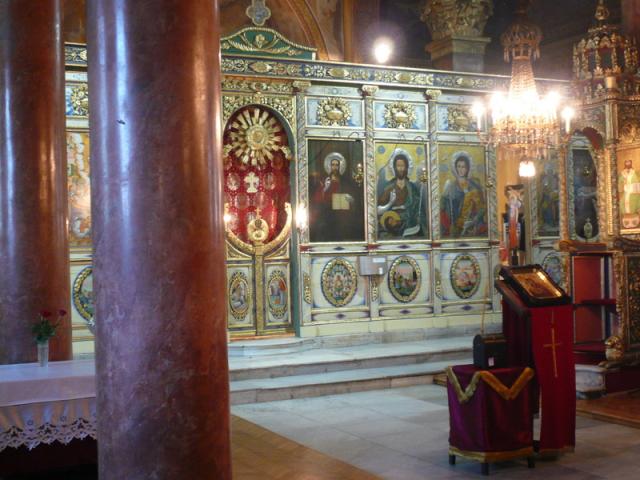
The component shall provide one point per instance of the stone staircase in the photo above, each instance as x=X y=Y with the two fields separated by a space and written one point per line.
x=286 y=368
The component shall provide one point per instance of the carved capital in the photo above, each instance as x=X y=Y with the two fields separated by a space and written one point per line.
x=369 y=90
x=432 y=94
x=460 y=18
x=301 y=86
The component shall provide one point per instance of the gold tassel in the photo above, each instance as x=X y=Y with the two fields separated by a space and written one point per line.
x=491 y=380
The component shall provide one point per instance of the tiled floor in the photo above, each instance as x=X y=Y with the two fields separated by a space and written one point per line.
x=402 y=434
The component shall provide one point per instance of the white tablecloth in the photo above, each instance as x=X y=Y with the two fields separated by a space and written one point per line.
x=44 y=404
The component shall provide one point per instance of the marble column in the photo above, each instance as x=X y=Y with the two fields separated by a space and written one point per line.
x=631 y=17
x=161 y=356
x=34 y=255
x=348 y=30
x=456 y=28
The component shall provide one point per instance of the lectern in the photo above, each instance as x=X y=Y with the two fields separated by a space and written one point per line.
x=538 y=325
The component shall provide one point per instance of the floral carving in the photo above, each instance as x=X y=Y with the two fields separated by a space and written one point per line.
x=464 y=18
x=80 y=100
x=75 y=55
x=306 y=281
x=460 y=119
x=333 y=112
x=629 y=125
x=399 y=115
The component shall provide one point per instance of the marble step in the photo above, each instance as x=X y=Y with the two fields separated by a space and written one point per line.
x=329 y=383
x=271 y=346
x=327 y=360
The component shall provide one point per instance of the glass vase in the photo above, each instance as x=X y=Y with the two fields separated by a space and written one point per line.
x=43 y=353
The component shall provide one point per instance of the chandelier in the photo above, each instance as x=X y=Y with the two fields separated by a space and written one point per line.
x=521 y=119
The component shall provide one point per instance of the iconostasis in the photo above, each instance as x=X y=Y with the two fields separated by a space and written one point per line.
x=331 y=168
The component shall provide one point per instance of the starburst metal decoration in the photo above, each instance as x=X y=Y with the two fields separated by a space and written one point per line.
x=255 y=136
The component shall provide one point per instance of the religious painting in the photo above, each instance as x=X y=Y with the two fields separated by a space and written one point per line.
x=404 y=279
x=536 y=284
x=83 y=299
x=336 y=191
x=465 y=275
x=402 y=191
x=339 y=282
x=277 y=294
x=79 y=188
x=629 y=190
x=239 y=295
x=256 y=171
x=553 y=264
x=463 y=199
x=548 y=197
x=585 y=200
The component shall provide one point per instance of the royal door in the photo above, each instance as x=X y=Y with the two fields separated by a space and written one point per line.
x=258 y=222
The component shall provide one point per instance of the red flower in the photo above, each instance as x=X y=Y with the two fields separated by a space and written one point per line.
x=62 y=312
x=45 y=313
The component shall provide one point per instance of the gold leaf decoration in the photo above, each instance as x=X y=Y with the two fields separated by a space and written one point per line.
x=333 y=112
x=80 y=100
x=399 y=115
x=459 y=118
x=306 y=280
x=255 y=136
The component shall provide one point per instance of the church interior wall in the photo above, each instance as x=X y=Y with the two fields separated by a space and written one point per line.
x=448 y=275
x=380 y=110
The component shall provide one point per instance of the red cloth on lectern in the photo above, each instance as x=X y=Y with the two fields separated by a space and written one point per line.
x=528 y=330
x=487 y=422
x=517 y=331
x=552 y=329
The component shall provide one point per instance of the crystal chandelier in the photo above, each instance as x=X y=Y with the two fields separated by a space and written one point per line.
x=522 y=119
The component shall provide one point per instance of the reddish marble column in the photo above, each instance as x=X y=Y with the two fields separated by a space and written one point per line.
x=34 y=255
x=631 y=17
x=161 y=358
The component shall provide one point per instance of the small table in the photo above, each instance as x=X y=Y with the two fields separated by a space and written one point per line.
x=43 y=408
x=490 y=414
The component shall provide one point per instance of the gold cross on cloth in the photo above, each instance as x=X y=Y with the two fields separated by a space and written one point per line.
x=553 y=345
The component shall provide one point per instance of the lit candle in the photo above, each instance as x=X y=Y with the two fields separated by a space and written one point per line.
x=478 y=110
x=301 y=216
x=567 y=114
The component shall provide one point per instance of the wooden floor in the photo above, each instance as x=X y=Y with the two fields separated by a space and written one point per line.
x=263 y=455
x=622 y=408
x=257 y=454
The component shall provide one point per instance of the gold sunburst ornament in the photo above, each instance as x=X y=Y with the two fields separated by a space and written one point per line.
x=255 y=136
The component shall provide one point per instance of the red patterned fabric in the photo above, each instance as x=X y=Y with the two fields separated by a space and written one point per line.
x=251 y=188
x=488 y=423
